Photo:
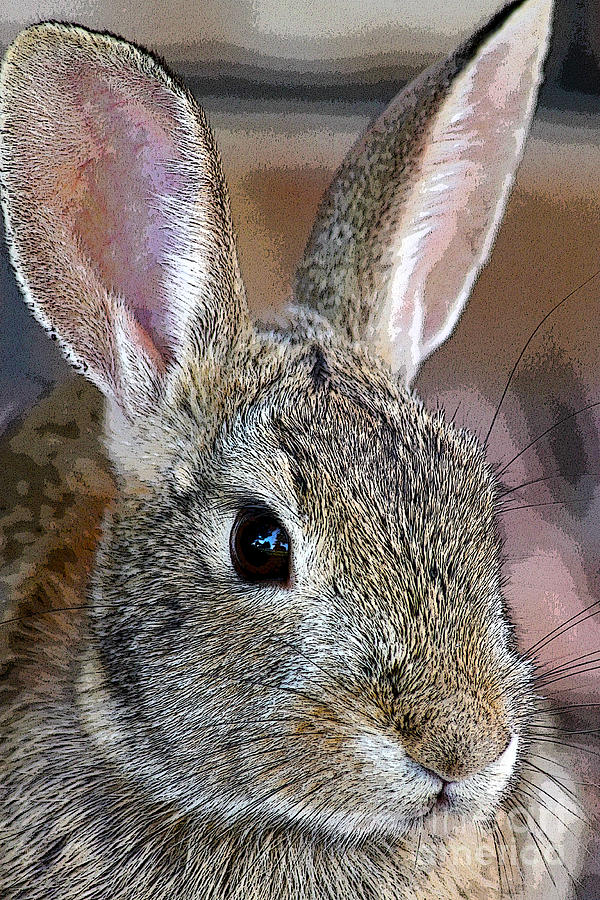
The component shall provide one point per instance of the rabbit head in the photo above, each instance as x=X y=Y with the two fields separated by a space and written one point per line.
x=296 y=613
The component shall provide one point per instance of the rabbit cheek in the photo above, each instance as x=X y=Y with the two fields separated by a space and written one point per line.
x=391 y=782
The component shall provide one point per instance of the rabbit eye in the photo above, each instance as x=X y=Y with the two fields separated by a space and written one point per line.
x=260 y=547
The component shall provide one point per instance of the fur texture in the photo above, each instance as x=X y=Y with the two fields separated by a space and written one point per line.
x=177 y=730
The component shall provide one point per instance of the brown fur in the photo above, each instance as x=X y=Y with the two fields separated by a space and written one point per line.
x=167 y=728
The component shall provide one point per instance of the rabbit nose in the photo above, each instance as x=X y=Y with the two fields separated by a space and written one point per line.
x=457 y=753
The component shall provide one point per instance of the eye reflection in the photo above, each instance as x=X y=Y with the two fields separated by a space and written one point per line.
x=260 y=547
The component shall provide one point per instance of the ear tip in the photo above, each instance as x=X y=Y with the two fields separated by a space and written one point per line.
x=40 y=34
x=541 y=10
x=526 y=22
x=43 y=44
x=29 y=53
x=35 y=46
x=50 y=35
x=537 y=11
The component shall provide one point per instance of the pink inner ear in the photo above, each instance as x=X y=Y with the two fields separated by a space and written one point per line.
x=110 y=195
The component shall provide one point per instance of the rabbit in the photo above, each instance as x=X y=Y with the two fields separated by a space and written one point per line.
x=255 y=642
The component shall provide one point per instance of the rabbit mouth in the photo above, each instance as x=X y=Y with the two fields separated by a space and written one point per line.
x=423 y=798
x=445 y=813
x=441 y=813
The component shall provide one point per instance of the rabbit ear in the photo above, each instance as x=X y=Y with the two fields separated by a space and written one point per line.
x=411 y=214
x=116 y=209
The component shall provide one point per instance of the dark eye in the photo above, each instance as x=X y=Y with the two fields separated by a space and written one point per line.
x=260 y=547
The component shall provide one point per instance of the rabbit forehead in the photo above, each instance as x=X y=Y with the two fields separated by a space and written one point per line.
x=375 y=482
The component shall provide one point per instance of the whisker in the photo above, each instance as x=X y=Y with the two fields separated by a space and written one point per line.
x=49 y=612
x=536 y=787
x=544 y=833
x=567 y=666
x=507 y=856
x=565 y=731
x=585 y=669
x=517 y=487
x=557 y=782
x=496 y=849
x=527 y=343
x=551 y=428
x=455 y=413
x=291 y=783
x=553 y=635
x=560 y=743
x=534 y=839
x=566 y=660
x=571 y=706
x=418 y=844
x=551 y=844
x=548 y=759
x=506 y=509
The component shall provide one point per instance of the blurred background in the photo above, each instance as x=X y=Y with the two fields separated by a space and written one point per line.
x=288 y=88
